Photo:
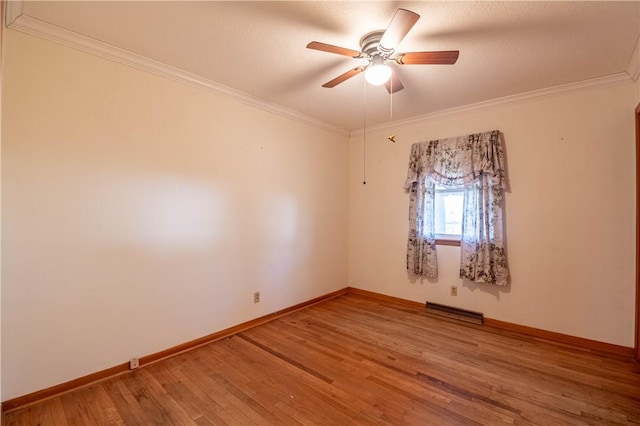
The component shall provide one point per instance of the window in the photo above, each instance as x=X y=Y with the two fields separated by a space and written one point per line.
x=448 y=213
x=472 y=214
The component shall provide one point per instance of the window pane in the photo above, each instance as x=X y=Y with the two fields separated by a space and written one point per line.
x=448 y=211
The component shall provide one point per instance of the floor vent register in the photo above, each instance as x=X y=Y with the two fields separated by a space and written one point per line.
x=456 y=313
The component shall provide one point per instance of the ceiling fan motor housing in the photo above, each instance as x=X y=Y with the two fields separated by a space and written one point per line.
x=370 y=44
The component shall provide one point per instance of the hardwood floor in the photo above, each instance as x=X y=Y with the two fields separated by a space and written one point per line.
x=355 y=360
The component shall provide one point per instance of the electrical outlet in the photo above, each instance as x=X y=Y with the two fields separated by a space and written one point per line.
x=134 y=363
x=256 y=297
x=454 y=290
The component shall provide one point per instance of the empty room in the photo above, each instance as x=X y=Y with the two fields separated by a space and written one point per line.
x=319 y=212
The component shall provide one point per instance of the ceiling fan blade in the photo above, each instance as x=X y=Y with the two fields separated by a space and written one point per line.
x=398 y=28
x=444 y=57
x=394 y=84
x=324 y=47
x=347 y=75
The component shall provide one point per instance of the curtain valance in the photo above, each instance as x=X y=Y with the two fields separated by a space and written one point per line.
x=458 y=161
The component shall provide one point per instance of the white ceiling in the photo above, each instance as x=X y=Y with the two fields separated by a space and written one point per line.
x=258 y=48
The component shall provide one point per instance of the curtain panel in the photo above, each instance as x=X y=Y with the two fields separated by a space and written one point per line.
x=476 y=163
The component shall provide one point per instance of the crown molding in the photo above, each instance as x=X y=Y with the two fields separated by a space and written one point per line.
x=13 y=10
x=72 y=39
x=633 y=68
x=17 y=21
x=610 y=80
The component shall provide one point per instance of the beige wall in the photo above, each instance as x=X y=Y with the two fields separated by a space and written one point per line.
x=140 y=213
x=569 y=214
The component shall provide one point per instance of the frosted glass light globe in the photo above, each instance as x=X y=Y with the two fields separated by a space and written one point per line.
x=377 y=74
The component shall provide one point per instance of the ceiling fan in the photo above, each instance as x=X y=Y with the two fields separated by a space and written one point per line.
x=379 y=47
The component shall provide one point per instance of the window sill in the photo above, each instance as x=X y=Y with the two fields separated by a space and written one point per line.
x=447 y=242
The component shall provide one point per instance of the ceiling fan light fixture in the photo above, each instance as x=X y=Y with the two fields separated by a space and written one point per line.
x=377 y=73
x=380 y=46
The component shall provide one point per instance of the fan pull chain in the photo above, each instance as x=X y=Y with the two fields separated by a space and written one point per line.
x=392 y=136
x=364 y=135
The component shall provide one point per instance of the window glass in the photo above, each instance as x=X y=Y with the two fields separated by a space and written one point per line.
x=448 y=212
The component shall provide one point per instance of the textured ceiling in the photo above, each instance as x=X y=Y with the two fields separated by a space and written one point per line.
x=506 y=48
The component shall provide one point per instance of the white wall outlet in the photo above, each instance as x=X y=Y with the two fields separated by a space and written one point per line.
x=256 y=297
x=134 y=363
x=454 y=290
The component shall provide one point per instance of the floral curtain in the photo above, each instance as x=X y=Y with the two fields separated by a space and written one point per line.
x=476 y=163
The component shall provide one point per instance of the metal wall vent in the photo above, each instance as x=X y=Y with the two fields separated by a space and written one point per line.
x=456 y=313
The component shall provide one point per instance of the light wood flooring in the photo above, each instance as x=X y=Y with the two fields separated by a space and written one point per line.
x=356 y=361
